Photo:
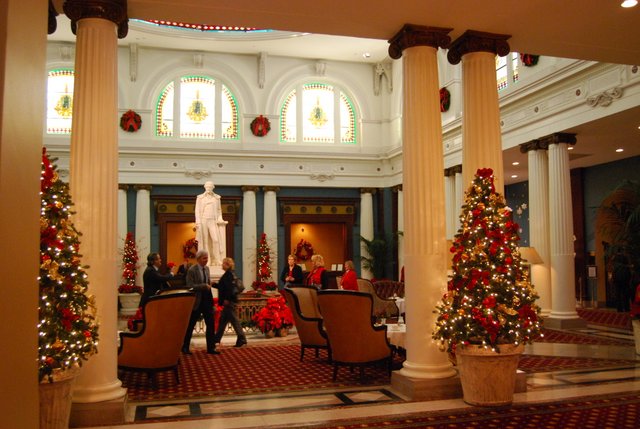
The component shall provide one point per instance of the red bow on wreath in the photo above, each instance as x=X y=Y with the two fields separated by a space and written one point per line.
x=260 y=126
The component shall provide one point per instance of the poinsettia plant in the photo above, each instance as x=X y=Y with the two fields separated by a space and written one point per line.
x=489 y=299
x=274 y=315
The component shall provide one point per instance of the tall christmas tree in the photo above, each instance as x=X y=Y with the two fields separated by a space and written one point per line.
x=489 y=299
x=264 y=280
x=68 y=332
x=129 y=266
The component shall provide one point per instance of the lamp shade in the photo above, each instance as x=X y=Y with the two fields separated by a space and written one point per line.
x=530 y=255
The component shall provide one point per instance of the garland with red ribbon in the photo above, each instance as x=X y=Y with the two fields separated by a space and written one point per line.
x=260 y=126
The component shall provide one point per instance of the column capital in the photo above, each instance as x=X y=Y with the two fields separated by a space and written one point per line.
x=123 y=187
x=52 y=24
x=397 y=188
x=534 y=145
x=418 y=35
x=477 y=41
x=556 y=138
x=452 y=171
x=253 y=189
x=142 y=187
x=111 y=10
x=271 y=188
x=368 y=190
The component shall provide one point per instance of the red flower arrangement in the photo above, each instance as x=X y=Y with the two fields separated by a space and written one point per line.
x=190 y=248
x=263 y=286
x=304 y=250
x=275 y=315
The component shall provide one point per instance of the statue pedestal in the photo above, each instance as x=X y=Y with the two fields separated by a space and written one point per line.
x=215 y=271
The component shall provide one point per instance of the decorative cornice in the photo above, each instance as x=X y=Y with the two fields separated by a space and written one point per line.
x=198 y=174
x=253 y=189
x=122 y=187
x=142 y=187
x=418 y=35
x=112 y=10
x=397 y=188
x=52 y=25
x=477 y=41
x=322 y=177
x=452 y=171
x=605 y=98
x=271 y=188
x=534 y=145
x=556 y=138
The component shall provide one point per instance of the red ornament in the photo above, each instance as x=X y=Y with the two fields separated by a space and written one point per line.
x=260 y=126
x=130 y=121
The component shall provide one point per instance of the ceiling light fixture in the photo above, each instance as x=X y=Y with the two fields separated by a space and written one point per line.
x=515 y=163
x=570 y=148
x=619 y=150
x=513 y=176
x=629 y=3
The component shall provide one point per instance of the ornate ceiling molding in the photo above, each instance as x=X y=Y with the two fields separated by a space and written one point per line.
x=605 y=98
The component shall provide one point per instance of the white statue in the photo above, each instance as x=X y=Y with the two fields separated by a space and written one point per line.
x=210 y=227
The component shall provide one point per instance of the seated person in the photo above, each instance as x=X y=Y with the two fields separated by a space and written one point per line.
x=291 y=273
x=152 y=280
x=349 y=279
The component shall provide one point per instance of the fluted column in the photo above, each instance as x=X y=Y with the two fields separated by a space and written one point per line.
x=539 y=219
x=424 y=204
x=143 y=225
x=398 y=189
x=122 y=215
x=366 y=225
x=94 y=186
x=482 y=137
x=249 y=231
x=271 y=225
x=563 y=283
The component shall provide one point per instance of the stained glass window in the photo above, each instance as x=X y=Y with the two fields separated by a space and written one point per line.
x=514 y=65
x=322 y=114
x=59 y=101
x=501 y=72
x=196 y=114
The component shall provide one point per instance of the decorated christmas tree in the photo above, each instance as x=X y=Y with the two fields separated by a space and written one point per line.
x=264 y=281
x=129 y=266
x=68 y=332
x=489 y=299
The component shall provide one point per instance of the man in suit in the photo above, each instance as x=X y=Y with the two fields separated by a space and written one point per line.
x=199 y=281
x=152 y=280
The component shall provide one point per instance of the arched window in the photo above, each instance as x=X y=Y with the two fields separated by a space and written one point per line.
x=507 y=69
x=197 y=107
x=59 y=101
x=317 y=113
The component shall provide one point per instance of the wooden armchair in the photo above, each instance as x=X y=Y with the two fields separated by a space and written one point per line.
x=156 y=347
x=382 y=307
x=354 y=340
x=303 y=302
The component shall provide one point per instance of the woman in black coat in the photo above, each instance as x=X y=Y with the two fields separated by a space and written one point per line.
x=228 y=299
x=291 y=273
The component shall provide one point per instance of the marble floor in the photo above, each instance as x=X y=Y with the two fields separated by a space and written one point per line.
x=296 y=410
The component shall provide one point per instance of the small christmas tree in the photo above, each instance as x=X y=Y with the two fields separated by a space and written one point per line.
x=129 y=266
x=489 y=299
x=68 y=332
x=263 y=280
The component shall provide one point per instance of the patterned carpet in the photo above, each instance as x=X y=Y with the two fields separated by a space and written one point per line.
x=615 y=411
x=605 y=317
x=553 y=336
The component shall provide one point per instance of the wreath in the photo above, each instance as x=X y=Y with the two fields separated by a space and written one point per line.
x=529 y=60
x=260 y=126
x=445 y=99
x=130 y=121
x=304 y=250
x=190 y=248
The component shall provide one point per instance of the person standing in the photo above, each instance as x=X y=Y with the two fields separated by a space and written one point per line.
x=210 y=226
x=291 y=273
x=228 y=298
x=349 y=278
x=199 y=281
x=318 y=276
x=152 y=280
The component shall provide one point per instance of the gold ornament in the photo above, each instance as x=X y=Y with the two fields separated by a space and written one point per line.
x=58 y=345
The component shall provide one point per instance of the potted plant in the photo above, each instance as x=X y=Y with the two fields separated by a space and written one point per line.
x=489 y=309
x=128 y=291
x=274 y=318
x=67 y=328
x=378 y=252
x=263 y=283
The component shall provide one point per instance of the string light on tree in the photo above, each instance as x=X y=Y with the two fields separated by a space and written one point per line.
x=129 y=266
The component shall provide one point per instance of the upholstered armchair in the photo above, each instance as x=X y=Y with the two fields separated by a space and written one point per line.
x=354 y=340
x=156 y=346
x=303 y=303
x=388 y=288
x=382 y=307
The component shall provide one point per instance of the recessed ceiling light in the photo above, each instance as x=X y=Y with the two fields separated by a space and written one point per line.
x=570 y=148
x=515 y=163
x=629 y=3
x=513 y=176
x=619 y=150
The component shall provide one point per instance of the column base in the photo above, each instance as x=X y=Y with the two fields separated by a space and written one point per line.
x=556 y=323
x=98 y=413
x=432 y=389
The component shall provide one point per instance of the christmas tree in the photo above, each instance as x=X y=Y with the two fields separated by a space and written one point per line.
x=264 y=281
x=129 y=266
x=489 y=299
x=68 y=332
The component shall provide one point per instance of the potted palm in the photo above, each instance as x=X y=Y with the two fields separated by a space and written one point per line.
x=378 y=252
x=488 y=312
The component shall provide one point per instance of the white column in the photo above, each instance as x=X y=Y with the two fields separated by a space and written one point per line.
x=400 y=228
x=539 y=220
x=249 y=231
x=424 y=201
x=459 y=200
x=143 y=225
x=366 y=224
x=271 y=226
x=563 y=296
x=450 y=202
x=94 y=186
x=122 y=215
